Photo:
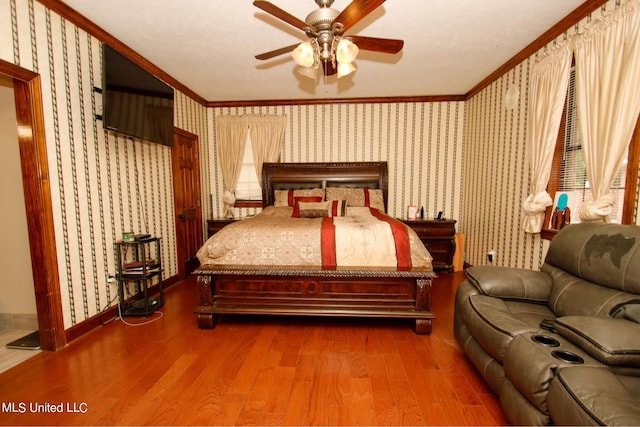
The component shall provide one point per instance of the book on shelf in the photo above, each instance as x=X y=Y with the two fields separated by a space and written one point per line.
x=138 y=264
x=139 y=272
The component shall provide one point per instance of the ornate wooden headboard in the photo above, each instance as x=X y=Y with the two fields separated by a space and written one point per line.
x=285 y=176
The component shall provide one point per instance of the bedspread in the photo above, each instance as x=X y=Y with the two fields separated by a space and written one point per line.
x=366 y=237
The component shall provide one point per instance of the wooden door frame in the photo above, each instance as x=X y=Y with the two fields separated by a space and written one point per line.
x=182 y=273
x=37 y=192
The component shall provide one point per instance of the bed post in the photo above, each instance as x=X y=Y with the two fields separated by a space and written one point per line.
x=423 y=303
x=205 y=291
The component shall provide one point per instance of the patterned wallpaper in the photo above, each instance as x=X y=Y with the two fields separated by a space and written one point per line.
x=464 y=158
x=422 y=143
x=496 y=175
x=102 y=184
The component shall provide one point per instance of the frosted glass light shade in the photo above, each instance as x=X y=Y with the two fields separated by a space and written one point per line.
x=308 y=72
x=346 y=51
x=345 y=69
x=303 y=54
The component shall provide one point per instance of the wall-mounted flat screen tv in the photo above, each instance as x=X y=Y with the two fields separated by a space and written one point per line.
x=135 y=102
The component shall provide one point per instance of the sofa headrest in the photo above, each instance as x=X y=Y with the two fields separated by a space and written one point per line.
x=607 y=254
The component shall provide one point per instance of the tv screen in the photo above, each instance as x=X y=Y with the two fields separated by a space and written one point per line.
x=134 y=102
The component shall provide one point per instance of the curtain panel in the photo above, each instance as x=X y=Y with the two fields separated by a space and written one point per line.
x=548 y=89
x=231 y=135
x=607 y=57
x=267 y=137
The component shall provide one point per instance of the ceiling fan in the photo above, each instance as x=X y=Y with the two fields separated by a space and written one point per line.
x=327 y=46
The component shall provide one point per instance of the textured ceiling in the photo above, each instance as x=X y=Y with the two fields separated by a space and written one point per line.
x=209 y=45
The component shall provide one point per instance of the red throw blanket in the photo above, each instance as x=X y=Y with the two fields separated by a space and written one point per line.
x=398 y=229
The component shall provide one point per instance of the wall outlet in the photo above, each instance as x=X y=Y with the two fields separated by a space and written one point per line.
x=491 y=256
x=112 y=282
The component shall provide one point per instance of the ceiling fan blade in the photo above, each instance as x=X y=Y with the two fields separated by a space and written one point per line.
x=276 y=52
x=356 y=10
x=280 y=14
x=376 y=44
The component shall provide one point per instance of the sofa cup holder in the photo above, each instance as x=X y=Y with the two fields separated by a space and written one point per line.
x=567 y=356
x=546 y=340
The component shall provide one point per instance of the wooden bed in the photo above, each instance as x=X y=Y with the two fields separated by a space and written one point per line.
x=310 y=291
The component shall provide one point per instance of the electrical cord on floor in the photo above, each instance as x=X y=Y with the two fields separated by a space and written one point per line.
x=119 y=315
x=146 y=322
x=107 y=307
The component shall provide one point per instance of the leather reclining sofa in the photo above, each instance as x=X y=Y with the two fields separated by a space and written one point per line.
x=560 y=345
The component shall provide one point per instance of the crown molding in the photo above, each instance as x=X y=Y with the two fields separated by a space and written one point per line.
x=372 y=100
x=104 y=36
x=581 y=12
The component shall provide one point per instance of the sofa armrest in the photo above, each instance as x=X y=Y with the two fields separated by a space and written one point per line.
x=510 y=283
x=629 y=310
x=614 y=342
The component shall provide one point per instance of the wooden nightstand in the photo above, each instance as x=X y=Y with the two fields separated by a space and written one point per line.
x=438 y=236
x=214 y=225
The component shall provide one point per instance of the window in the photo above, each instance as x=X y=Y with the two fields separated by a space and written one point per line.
x=568 y=183
x=248 y=187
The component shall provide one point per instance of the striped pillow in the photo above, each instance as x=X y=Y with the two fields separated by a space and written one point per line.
x=337 y=208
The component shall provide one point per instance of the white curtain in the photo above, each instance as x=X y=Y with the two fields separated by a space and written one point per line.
x=267 y=137
x=548 y=90
x=608 y=99
x=231 y=134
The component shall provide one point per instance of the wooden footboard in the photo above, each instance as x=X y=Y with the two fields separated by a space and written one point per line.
x=365 y=292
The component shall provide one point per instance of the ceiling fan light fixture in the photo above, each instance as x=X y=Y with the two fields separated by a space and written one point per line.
x=345 y=69
x=304 y=54
x=308 y=72
x=346 y=51
x=326 y=51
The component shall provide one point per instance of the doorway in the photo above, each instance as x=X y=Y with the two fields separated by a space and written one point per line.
x=185 y=162
x=18 y=314
x=38 y=206
x=16 y=288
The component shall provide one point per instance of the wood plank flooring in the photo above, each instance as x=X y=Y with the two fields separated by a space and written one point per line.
x=254 y=371
x=11 y=357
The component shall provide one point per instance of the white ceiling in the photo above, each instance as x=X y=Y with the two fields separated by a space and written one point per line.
x=209 y=45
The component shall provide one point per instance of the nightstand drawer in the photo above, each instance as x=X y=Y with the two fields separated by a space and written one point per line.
x=433 y=229
x=438 y=236
x=437 y=245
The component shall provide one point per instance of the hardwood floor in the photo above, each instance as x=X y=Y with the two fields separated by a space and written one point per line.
x=11 y=357
x=254 y=371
